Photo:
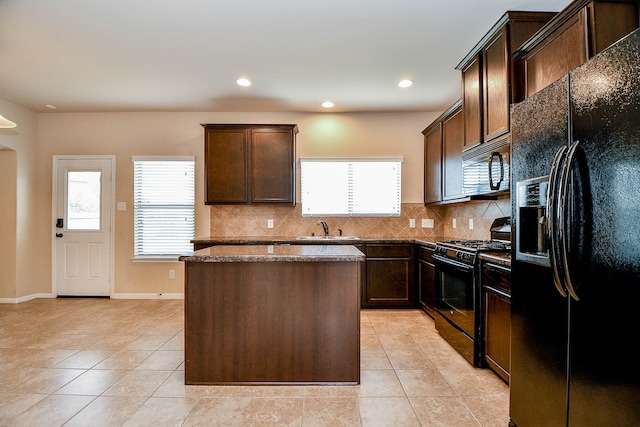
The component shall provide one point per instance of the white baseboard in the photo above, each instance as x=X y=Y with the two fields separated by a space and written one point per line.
x=24 y=298
x=114 y=296
x=148 y=296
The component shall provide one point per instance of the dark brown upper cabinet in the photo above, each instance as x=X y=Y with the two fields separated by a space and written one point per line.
x=443 y=144
x=583 y=29
x=250 y=164
x=433 y=163
x=452 y=145
x=489 y=76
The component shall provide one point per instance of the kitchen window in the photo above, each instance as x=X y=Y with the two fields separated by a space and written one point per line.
x=164 y=206
x=362 y=186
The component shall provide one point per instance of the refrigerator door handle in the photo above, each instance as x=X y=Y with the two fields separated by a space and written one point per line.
x=552 y=218
x=565 y=222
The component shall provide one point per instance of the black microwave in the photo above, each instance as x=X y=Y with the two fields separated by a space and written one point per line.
x=485 y=169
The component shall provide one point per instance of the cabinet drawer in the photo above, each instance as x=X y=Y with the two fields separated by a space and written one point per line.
x=425 y=254
x=388 y=251
x=496 y=276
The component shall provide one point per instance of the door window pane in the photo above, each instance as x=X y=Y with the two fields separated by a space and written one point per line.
x=83 y=200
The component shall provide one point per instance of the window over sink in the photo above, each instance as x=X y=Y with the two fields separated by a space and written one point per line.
x=362 y=186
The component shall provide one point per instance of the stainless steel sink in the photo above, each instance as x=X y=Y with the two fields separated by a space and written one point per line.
x=327 y=238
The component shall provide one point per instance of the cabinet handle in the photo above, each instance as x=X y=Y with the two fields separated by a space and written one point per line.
x=497 y=267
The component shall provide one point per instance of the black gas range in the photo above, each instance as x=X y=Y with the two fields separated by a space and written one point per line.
x=466 y=251
x=458 y=314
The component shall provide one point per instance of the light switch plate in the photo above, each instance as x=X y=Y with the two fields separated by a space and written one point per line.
x=470 y=223
x=269 y=223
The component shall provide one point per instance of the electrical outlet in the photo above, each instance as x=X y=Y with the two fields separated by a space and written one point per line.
x=470 y=223
x=269 y=223
x=122 y=206
x=427 y=223
x=455 y=223
x=412 y=223
x=172 y=274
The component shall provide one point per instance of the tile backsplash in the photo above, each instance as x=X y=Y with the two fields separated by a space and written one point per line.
x=252 y=220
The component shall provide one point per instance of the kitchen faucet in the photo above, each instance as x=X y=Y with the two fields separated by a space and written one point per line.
x=325 y=227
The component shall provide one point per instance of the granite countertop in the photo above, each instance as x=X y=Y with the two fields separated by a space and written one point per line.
x=275 y=253
x=501 y=258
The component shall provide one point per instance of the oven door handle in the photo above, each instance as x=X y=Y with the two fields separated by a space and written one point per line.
x=451 y=262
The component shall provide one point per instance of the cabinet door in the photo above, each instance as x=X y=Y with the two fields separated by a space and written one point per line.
x=497 y=332
x=565 y=50
x=226 y=169
x=272 y=165
x=426 y=280
x=452 y=142
x=388 y=282
x=576 y=38
x=472 y=103
x=433 y=165
x=496 y=86
x=389 y=276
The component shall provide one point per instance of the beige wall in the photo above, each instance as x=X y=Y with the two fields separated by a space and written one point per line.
x=8 y=223
x=20 y=253
x=39 y=137
x=129 y=134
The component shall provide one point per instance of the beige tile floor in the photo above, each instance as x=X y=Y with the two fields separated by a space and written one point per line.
x=100 y=362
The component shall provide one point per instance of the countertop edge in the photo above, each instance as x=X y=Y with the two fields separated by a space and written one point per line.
x=275 y=253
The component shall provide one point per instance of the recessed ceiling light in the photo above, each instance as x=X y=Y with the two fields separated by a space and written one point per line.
x=405 y=83
x=243 y=82
x=328 y=104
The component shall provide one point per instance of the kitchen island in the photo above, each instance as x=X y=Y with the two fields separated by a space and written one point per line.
x=273 y=314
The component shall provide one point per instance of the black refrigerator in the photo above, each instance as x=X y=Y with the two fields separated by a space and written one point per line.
x=576 y=256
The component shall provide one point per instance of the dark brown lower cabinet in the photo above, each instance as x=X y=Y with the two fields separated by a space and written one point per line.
x=426 y=280
x=274 y=322
x=389 y=278
x=496 y=296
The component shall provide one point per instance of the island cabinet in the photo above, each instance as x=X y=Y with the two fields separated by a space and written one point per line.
x=250 y=164
x=426 y=279
x=273 y=315
x=496 y=297
x=443 y=146
x=389 y=277
x=583 y=29
x=489 y=76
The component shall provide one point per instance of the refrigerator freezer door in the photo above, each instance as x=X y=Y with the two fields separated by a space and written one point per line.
x=604 y=253
x=539 y=314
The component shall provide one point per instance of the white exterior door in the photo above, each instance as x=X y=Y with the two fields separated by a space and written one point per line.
x=83 y=225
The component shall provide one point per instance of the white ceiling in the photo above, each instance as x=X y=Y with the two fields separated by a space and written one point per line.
x=161 y=55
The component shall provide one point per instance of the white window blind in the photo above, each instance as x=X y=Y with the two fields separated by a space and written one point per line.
x=164 y=204
x=351 y=187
